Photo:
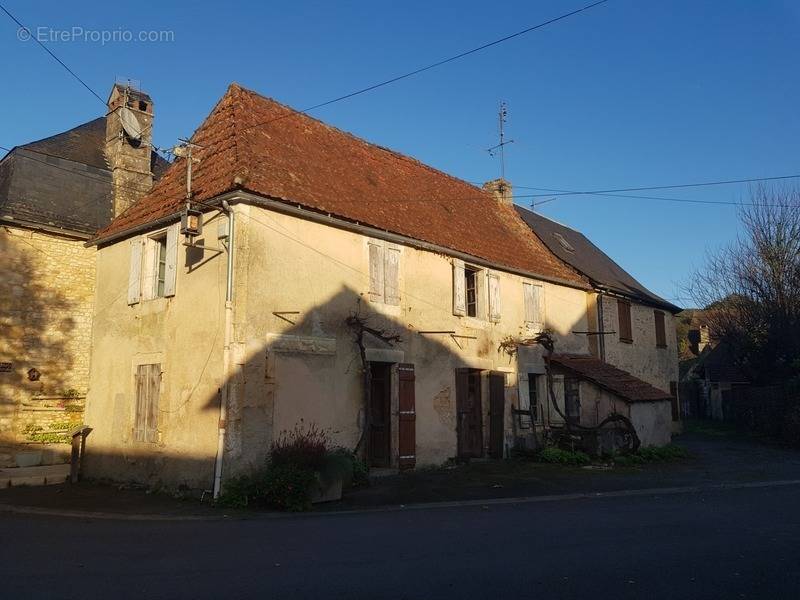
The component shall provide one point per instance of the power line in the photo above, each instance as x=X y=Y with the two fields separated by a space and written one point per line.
x=661 y=198
x=46 y=49
x=653 y=187
x=434 y=65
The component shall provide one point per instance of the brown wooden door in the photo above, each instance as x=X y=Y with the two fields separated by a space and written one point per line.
x=407 y=418
x=497 y=411
x=469 y=414
x=380 y=439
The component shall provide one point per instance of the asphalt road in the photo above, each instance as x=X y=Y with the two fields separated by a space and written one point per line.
x=740 y=543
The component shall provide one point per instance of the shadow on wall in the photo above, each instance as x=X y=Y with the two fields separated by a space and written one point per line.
x=308 y=366
x=36 y=321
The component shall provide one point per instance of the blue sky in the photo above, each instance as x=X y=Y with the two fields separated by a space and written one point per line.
x=631 y=93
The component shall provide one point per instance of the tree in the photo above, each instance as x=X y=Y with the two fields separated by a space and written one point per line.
x=751 y=288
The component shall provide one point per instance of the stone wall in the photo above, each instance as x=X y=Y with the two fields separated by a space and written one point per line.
x=46 y=319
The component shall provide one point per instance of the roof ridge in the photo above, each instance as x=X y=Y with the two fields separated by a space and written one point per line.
x=358 y=138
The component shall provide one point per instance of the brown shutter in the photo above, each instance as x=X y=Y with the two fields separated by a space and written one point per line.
x=462 y=413
x=673 y=391
x=497 y=414
x=661 y=333
x=139 y=420
x=154 y=385
x=148 y=387
x=624 y=318
x=407 y=420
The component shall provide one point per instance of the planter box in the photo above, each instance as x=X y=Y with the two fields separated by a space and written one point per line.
x=326 y=491
x=31 y=458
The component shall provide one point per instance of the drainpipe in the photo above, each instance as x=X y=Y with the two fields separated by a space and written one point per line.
x=601 y=342
x=226 y=355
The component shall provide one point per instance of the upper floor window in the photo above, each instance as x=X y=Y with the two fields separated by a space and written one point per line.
x=476 y=292
x=624 y=319
x=533 y=298
x=384 y=272
x=661 y=332
x=153 y=263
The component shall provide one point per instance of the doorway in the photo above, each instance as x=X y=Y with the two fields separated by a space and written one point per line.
x=380 y=438
x=497 y=414
x=469 y=424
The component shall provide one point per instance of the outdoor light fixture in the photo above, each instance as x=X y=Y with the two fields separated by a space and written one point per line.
x=191 y=222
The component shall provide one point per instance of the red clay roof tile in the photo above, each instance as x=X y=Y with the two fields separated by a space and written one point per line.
x=253 y=143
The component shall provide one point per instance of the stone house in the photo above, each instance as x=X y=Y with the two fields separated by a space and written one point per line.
x=311 y=270
x=630 y=327
x=55 y=194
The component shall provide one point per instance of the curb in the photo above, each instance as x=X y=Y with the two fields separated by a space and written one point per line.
x=79 y=514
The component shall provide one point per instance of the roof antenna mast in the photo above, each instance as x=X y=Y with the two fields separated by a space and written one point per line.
x=502 y=114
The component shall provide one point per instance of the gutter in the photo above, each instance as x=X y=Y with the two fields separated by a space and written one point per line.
x=296 y=210
x=668 y=306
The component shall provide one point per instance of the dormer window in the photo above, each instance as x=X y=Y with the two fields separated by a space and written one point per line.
x=563 y=241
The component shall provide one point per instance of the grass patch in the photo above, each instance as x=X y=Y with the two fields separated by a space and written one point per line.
x=662 y=454
x=557 y=456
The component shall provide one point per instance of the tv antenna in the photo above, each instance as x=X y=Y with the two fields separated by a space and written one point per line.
x=502 y=114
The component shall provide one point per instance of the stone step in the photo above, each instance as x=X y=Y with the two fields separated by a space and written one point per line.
x=33 y=476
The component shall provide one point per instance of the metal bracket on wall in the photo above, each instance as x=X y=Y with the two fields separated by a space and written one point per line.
x=280 y=314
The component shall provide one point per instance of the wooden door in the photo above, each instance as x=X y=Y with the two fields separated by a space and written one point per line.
x=497 y=412
x=380 y=439
x=407 y=418
x=469 y=414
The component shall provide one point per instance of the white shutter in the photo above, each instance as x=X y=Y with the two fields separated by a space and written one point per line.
x=538 y=297
x=391 y=275
x=494 y=296
x=135 y=273
x=171 y=270
x=375 y=272
x=534 y=314
x=459 y=288
x=558 y=385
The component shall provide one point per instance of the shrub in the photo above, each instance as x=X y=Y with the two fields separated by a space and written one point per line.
x=241 y=491
x=288 y=487
x=555 y=455
x=345 y=463
x=301 y=447
x=651 y=454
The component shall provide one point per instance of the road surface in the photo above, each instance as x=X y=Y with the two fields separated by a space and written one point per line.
x=737 y=543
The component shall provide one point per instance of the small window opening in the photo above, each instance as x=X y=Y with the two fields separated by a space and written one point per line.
x=471 y=287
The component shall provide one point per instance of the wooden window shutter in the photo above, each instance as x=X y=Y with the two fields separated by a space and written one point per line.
x=661 y=333
x=407 y=418
x=494 y=296
x=375 y=272
x=392 y=276
x=558 y=389
x=171 y=267
x=148 y=389
x=459 y=288
x=624 y=318
x=674 y=404
x=135 y=273
x=532 y=295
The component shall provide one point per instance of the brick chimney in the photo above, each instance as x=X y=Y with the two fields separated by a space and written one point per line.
x=501 y=190
x=129 y=134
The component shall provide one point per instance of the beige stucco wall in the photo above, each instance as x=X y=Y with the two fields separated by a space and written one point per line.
x=185 y=334
x=309 y=368
x=47 y=291
x=641 y=358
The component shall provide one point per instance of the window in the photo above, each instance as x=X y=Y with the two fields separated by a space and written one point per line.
x=471 y=288
x=624 y=317
x=533 y=396
x=572 y=399
x=533 y=296
x=153 y=266
x=661 y=332
x=148 y=389
x=384 y=273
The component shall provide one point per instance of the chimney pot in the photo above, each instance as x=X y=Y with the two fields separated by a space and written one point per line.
x=501 y=190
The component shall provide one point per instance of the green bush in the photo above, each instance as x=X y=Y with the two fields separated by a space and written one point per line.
x=241 y=491
x=555 y=455
x=288 y=487
x=344 y=463
x=652 y=454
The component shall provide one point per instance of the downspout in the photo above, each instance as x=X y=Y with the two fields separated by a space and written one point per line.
x=601 y=342
x=226 y=355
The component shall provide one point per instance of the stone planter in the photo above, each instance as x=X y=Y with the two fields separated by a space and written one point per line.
x=326 y=491
x=29 y=458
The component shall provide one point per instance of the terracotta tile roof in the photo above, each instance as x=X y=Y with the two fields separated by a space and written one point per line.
x=255 y=144
x=616 y=381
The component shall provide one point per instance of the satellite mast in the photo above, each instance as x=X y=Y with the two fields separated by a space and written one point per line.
x=502 y=114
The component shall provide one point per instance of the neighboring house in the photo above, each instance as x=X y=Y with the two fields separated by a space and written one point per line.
x=209 y=344
x=712 y=375
x=55 y=194
x=630 y=327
